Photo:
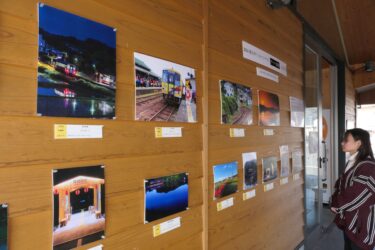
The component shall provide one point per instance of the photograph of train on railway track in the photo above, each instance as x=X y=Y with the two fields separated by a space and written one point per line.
x=236 y=103
x=165 y=91
x=269 y=109
x=76 y=66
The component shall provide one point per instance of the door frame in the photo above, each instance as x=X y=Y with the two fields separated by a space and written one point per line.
x=314 y=44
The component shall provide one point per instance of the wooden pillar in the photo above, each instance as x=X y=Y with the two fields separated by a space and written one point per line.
x=62 y=200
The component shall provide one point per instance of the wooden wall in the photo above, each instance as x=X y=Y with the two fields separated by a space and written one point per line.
x=129 y=150
x=171 y=30
x=273 y=219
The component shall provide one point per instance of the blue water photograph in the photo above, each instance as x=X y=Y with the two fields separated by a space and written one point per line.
x=76 y=66
x=3 y=226
x=165 y=196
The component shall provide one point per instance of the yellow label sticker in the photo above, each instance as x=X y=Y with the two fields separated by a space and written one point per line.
x=156 y=230
x=219 y=207
x=60 y=131
x=158 y=132
x=231 y=132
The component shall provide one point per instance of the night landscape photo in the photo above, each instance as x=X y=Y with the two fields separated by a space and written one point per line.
x=236 y=103
x=165 y=196
x=225 y=179
x=250 y=169
x=76 y=66
x=3 y=226
x=78 y=206
x=269 y=109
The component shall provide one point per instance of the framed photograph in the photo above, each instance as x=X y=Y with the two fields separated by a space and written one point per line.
x=76 y=66
x=236 y=103
x=165 y=196
x=78 y=206
x=284 y=159
x=269 y=109
x=269 y=166
x=225 y=179
x=3 y=226
x=165 y=91
x=250 y=170
x=297 y=112
x=297 y=164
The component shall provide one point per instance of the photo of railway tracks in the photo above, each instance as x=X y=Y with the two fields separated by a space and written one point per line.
x=76 y=66
x=236 y=103
x=165 y=91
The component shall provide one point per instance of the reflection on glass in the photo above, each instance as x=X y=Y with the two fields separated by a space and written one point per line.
x=311 y=140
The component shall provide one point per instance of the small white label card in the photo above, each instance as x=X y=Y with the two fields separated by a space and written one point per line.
x=284 y=181
x=296 y=177
x=268 y=187
x=237 y=132
x=224 y=204
x=70 y=131
x=268 y=75
x=166 y=226
x=268 y=132
x=248 y=195
x=168 y=132
x=99 y=247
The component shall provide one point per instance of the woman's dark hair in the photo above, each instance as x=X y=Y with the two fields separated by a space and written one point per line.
x=364 y=151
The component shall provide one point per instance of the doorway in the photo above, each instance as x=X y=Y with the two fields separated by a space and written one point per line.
x=320 y=134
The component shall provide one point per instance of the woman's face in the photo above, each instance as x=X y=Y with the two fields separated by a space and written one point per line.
x=350 y=145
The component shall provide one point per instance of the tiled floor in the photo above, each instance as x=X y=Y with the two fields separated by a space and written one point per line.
x=332 y=240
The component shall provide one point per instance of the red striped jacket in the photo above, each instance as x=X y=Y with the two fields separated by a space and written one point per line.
x=354 y=198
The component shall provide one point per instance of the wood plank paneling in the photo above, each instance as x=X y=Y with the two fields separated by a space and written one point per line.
x=205 y=35
x=252 y=223
x=170 y=30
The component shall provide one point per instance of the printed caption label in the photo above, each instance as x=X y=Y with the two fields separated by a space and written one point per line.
x=224 y=204
x=237 y=132
x=268 y=187
x=248 y=195
x=167 y=226
x=168 y=132
x=70 y=131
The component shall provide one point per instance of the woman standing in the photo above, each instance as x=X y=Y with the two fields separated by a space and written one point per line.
x=354 y=197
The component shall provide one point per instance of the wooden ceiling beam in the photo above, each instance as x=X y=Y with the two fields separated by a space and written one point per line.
x=363 y=78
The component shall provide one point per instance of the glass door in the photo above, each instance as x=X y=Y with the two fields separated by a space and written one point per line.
x=320 y=133
x=312 y=139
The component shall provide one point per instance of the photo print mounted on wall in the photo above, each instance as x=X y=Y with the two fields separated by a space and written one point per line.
x=165 y=91
x=225 y=179
x=269 y=166
x=236 y=103
x=284 y=159
x=250 y=170
x=297 y=112
x=269 y=109
x=165 y=196
x=78 y=206
x=3 y=226
x=76 y=66
x=297 y=164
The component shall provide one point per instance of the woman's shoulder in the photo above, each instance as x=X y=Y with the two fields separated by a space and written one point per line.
x=366 y=167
